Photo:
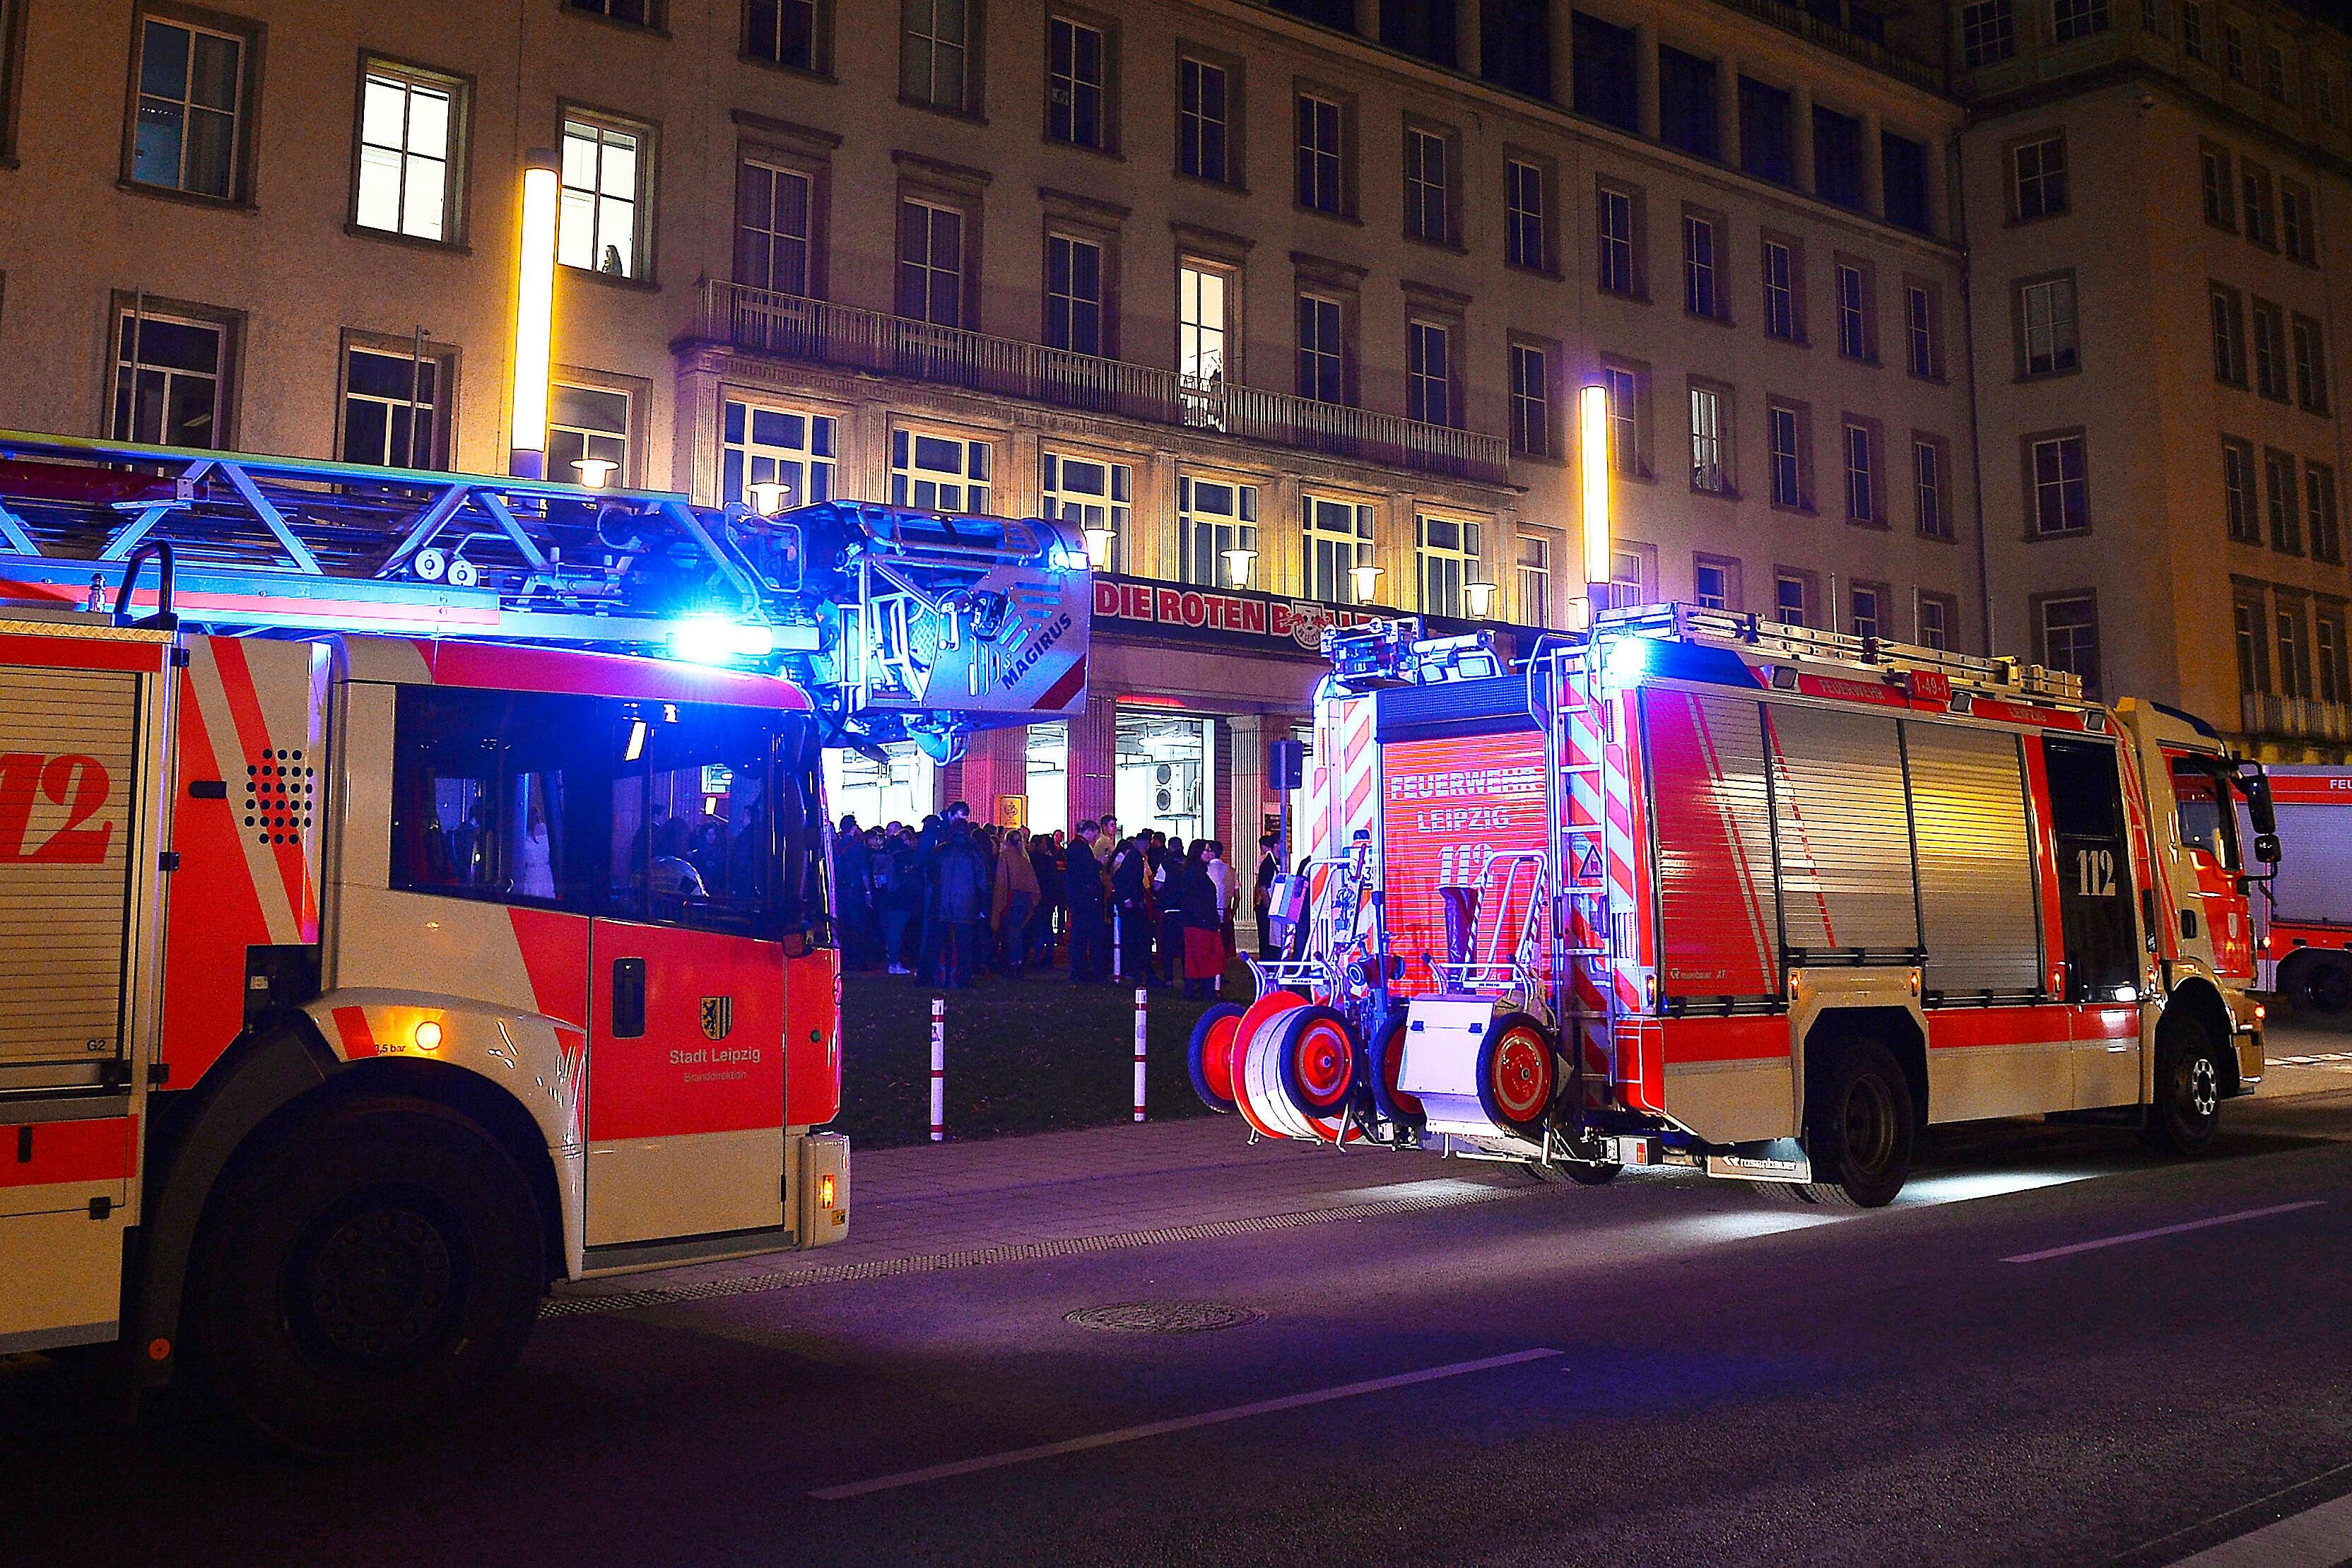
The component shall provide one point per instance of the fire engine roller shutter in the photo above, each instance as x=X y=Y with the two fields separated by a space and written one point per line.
x=1718 y=934
x=68 y=750
x=1975 y=861
x=2315 y=878
x=1842 y=835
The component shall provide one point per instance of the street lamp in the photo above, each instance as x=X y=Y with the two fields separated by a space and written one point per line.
x=1592 y=458
x=1481 y=597
x=1238 y=565
x=768 y=496
x=1098 y=547
x=534 y=316
x=1368 y=581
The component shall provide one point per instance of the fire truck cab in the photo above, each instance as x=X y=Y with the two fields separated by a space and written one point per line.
x=1701 y=889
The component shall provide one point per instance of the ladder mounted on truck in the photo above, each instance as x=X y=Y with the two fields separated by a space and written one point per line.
x=899 y=621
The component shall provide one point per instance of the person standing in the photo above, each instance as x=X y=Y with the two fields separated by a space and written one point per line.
x=1203 y=914
x=1082 y=887
x=1127 y=874
x=1012 y=902
x=1269 y=866
x=963 y=904
x=855 y=897
x=1171 y=913
x=1045 y=862
x=1229 y=897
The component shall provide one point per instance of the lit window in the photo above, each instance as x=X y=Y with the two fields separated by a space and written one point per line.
x=776 y=446
x=1214 y=517
x=938 y=473
x=1535 y=580
x=1090 y=495
x=1338 y=539
x=1448 y=555
x=1707 y=469
x=604 y=169
x=405 y=140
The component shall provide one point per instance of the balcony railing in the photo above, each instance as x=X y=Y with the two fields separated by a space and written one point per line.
x=2293 y=718
x=760 y=321
x=1830 y=35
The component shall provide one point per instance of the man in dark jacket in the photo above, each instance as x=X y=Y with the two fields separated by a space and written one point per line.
x=1129 y=869
x=1082 y=887
x=1045 y=859
x=963 y=904
x=853 y=895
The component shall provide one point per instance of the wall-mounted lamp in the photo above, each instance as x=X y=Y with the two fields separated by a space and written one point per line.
x=768 y=496
x=595 y=472
x=1368 y=582
x=1237 y=566
x=1480 y=596
x=1098 y=547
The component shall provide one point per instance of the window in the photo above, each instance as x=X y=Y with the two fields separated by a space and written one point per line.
x=1090 y=495
x=1213 y=518
x=1530 y=401
x=2070 y=638
x=11 y=29
x=1203 y=132
x=394 y=401
x=1923 y=352
x=2274 y=73
x=1713 y=584
x=1614 y=227
x=2323 y=82
x=1700 y=296
x=2238 y=490
x=2285 y=496
x=1861 y=475
x=1077 y=77
x=2255 y=184
x=1931 y=506
x=1523 y=216
x=1837 y=158
x=1988 y=33
x=2229 y=314
x=1428 y=378
x=781 y=32
x=2254 y=655
x=1201 y=327
x=2221 y=197
x=1535 y=580
x=1320 y=362
x=1855 y=339
x=1903 y=182
x=589 y=422
x=1625 y=394
x=2070 y=19
x=773 y=207
x=2151 y=18
x=1709 y=471
x=2319 y=513
x=1686 y=109
x=2328 y=654
x=2038 y=187
x=935 y=54
x=1074 y=294
x=761 y=445
x=2046 y=316
x=171 y=378
x=605 y=170
x=1862 y=611
x=1766 y=137
x=2295 y=230
x=1935 y=621
x=1788 y=597
x=1604 y=64
x=1629 y=578
x=1785 y=428
x=2192 y=29
x=636 y=13
x=931 y=264
x=1338 y=539
x=2233 y=51
x=408 y=129
x=1425 y=186
x=188 y=125
x=2310 y=366
x=2293 y=652
x=2061 y=499
x=2270 y=351
x=938 y=473
x=1781 y=313
x=1320 y=166
x=1447 y=550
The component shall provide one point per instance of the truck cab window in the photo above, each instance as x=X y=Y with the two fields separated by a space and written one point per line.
x=2207 y=820
x=496 y=797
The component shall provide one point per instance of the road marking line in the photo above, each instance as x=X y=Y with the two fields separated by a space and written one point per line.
x=2164 y=1231
x=2316 y=1537
x=1176 y=1424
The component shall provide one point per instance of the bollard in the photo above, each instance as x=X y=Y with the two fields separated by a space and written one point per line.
x=1142 y=1001
x=938 y=1069
x=1117 y=953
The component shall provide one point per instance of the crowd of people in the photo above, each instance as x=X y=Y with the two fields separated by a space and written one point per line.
x=949 y=900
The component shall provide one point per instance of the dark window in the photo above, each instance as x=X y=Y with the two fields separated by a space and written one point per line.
x=1320 y=362
x=2045 y=319
x=1428 y=383
x=1779 y=291
x=2319 y=498
x=393 y=406
x=1318 y=154
x=1837 y=157
x=1924 y=354
x=1928 y=506
x=931 y=264
x=2286 y=498
x=1605 y=86
x=1765 y=144
x=1202 y=124
x=1076 y=72
x=935 y=53
x=1614 y=233
x=2228 y=318
x=1904 y=163
x=2238 y=491
x=2270 y=351
x=2069 y=642
x=638 y=13
x=1532 y=402
x=783 y=32
x=1700 y=295
x=2310 y=365
x=1426 y=177
x=1988 y=33
x=1785 y=432
x=171 y=379
x=2072 y=19
x=186 y=124
x=1687 y=118
x=2061 y=496
x=2038 y=174
x=1516 y=38
x=1523 y=216
x=2220 y=199
x=1074 y=294
x=772 y=228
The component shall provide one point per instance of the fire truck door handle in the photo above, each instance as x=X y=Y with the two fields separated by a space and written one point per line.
x=2147 y=916
x=628 y=999
x=2188 y=923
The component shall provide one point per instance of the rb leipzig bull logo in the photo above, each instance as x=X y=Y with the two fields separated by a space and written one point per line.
x=718 y=1017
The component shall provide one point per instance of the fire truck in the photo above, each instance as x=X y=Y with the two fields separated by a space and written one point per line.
x=1697 y=888
x=414 y=891
x=2303 y=931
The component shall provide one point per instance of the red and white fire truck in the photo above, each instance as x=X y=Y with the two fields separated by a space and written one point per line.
x=1697 y=888
x=2303 y=931
x=394 y=919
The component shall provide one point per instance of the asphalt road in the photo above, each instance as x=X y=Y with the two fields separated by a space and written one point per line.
x=1666 y=1369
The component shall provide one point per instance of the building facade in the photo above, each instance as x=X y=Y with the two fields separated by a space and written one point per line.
x=1292 y=302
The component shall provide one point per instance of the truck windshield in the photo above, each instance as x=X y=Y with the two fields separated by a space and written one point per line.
x=2207 y=820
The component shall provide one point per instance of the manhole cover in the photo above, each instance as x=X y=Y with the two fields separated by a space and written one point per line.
x=1163 y=1317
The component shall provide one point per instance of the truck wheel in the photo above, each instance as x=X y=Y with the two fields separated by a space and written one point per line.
x=2187 y=1106
x=1858 y=1129
x=2321 y=987
x=364 y=1273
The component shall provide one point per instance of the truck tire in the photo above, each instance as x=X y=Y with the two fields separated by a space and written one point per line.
x=364 y=1273
x=1858 y=1129
x=2318 y=986
x=2185 y=1106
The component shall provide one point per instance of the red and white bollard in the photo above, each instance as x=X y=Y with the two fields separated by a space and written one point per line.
x=938 y=1069
x=1142 y=1001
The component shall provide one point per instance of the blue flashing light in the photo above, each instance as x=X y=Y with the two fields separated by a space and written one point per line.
x=716 y=640
x=1629 y=659
x=1062 y=557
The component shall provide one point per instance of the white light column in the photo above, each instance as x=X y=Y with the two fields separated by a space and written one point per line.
x=534 y=318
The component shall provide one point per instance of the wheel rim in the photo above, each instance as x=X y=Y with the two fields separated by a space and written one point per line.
x=1867 y=1127
x=2203 y=1089
x=1522 y=1075
x=376 y=1285
x=1217 y=1057
x=1322 y=1058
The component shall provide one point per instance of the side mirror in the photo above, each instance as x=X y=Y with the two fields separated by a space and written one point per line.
x=2255 y=785
x=2266 y=844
